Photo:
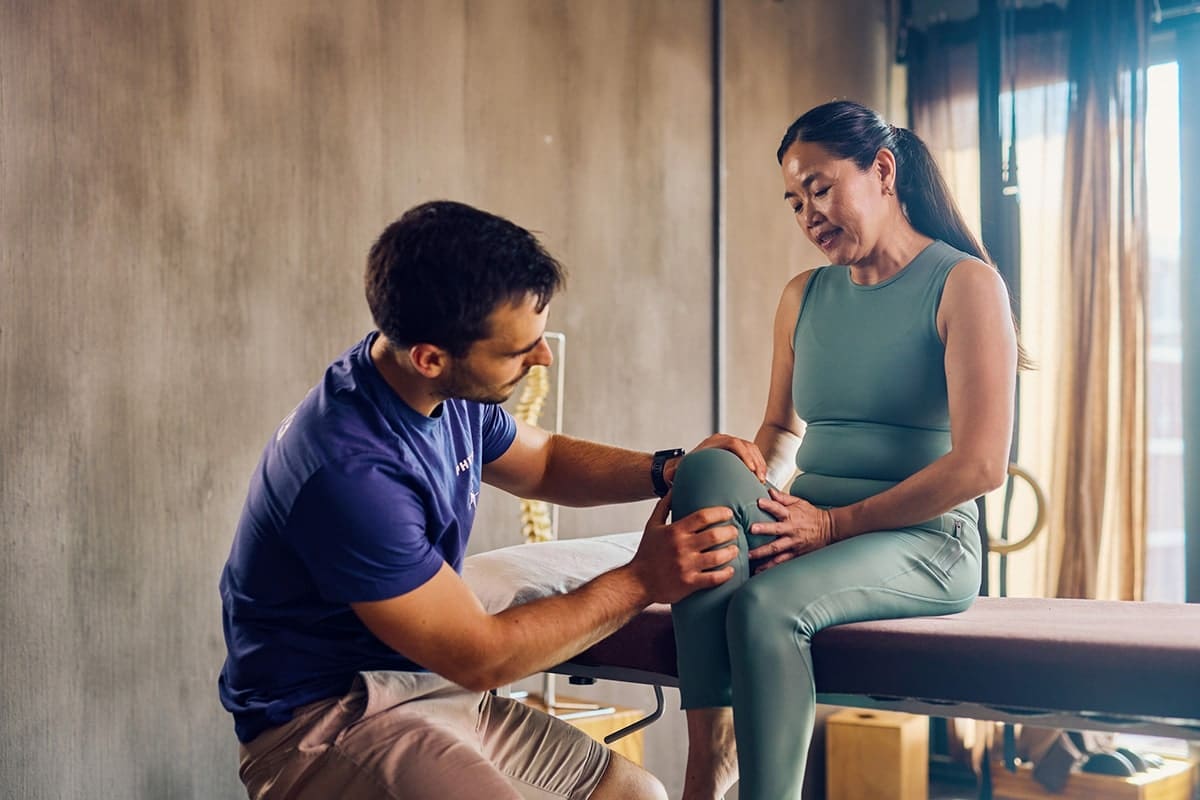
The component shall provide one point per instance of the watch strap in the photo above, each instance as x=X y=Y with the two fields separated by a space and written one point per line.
x=656 y=469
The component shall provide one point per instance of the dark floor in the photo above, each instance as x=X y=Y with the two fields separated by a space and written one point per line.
x=951 y=793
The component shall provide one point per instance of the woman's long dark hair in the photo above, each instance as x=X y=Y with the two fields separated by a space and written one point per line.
x=856 y=133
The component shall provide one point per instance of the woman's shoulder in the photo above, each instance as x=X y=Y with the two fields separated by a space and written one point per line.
x=971 y=274
x=971 y=287
x=794 y=290
x=950 y=256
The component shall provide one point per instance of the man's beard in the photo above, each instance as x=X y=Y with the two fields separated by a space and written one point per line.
x=459 y=382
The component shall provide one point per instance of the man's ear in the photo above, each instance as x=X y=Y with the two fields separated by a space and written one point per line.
x=429 y=360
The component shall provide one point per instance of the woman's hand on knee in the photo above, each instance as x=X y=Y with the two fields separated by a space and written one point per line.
x=800 y=528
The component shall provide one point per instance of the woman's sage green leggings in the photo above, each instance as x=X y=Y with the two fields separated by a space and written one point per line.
x=746 y=643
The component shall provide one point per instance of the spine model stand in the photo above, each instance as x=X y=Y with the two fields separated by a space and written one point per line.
x=539 y=522
x=535 y=514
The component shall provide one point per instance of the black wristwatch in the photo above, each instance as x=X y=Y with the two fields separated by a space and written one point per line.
x=656 y=469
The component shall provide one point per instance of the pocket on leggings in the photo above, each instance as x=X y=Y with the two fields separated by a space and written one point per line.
x=951 y=552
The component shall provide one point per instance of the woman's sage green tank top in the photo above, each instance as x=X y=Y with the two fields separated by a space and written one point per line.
x=870 y=379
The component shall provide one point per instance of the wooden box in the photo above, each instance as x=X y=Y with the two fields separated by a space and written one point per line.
x=1172 y=781
x=876 y=755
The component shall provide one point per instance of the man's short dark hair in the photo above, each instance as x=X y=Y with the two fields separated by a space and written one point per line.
x=435 y=275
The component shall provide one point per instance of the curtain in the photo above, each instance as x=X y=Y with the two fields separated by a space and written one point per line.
x=943 y=83
x=1097 y=542
x=1076 y=80
x=943 y=107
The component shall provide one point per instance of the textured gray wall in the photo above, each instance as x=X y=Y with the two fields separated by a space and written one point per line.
x=781 y=59
x=187 y=192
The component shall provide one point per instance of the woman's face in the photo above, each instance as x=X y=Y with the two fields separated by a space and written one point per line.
x=840 y=208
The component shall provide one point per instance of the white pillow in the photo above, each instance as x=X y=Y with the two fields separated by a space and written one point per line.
x=520 y=573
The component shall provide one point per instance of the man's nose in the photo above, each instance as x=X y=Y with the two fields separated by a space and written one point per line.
x=542 y=354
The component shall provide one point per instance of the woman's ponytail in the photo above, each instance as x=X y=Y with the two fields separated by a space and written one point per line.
x=925 y=197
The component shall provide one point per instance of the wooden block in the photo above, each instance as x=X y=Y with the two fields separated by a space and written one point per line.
x=1174 y=780
x=876 y=755
x=600 y=722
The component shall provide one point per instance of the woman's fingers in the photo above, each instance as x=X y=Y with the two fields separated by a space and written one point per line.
x=774 y=562
x=783 y=498
x=773 y=508
x=771 y=548
x=779 y=528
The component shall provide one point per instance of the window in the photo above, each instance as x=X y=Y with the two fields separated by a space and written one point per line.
x=1164 y=363
x=1033 y=115
x=1041 y=112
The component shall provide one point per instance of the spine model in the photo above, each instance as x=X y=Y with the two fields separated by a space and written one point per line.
x=535 y=514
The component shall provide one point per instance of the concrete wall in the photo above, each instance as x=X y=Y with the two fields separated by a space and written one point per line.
x=781 y=58
x=187 y=193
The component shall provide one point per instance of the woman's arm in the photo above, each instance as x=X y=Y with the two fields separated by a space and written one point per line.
x=779 y=435
x=975 y=322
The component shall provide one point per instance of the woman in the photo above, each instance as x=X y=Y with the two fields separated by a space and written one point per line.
x=892 y=386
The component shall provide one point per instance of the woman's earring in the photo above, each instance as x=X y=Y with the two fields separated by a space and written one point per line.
x=888 y=190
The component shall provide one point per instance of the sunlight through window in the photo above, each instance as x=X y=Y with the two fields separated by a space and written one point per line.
x=1164 y=362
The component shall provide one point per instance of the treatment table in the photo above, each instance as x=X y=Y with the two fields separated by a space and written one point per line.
x=1077 y=664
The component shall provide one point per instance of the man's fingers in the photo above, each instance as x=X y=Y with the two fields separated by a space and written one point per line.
x=760 y=463
x=715 y=537
x=662 y=510
x=702 y=518
x=750 y=456
x=744 y=449
x=754 y=460
x=710 y=559
x=707 y=580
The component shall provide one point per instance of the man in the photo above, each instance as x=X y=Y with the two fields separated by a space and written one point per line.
x=342 y=599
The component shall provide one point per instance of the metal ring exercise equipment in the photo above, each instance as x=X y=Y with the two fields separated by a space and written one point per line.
x=1004 y=546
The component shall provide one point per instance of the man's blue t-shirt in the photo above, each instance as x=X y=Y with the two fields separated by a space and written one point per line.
x=357 y=497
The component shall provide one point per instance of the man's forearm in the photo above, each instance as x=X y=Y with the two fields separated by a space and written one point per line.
x=672 y=560
x=536 y=636
x=443 y=627
x=583 y=473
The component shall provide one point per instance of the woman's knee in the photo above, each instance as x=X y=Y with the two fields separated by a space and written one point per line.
x=700 y=464
x=712 y=477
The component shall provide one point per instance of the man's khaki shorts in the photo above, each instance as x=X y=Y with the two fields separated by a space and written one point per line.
x=414 y=736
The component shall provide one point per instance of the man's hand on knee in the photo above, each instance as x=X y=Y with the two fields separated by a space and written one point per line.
x=675 y=559
x=744 y=449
